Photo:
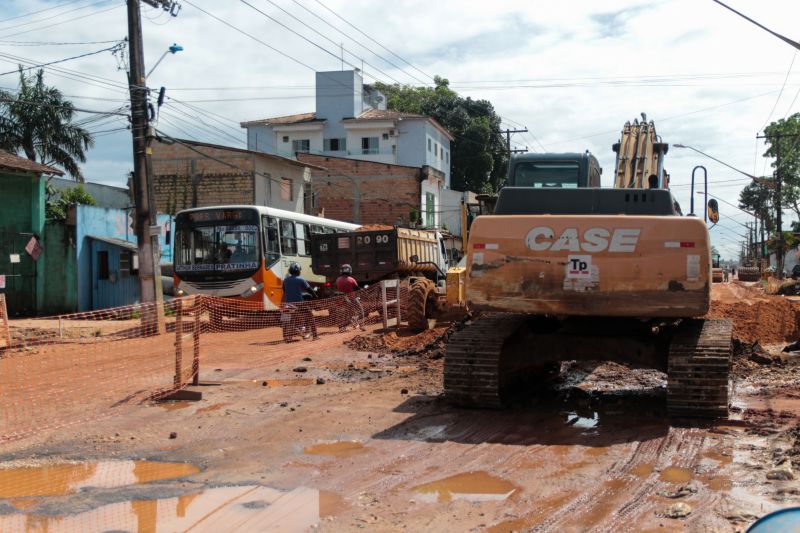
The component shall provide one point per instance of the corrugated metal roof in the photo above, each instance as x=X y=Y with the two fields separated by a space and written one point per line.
x=116 y=242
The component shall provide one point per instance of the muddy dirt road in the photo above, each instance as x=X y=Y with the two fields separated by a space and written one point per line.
x=357 y=437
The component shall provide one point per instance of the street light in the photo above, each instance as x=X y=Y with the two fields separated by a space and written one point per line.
x=174 y=49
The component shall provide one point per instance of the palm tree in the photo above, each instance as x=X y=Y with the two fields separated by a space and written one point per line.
x=38 y=121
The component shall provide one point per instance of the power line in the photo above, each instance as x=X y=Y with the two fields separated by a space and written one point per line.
x=360 y=44
x=82 y=17
x=51 y=43
x=31 y=13
x=91 y=4
x=673 y=117
x=778 y=99
x=89 y=79
x=111 y=48
x=329 y=40
x=276 y=21
x=78 y=109
x=371 y=39
x=284 y=54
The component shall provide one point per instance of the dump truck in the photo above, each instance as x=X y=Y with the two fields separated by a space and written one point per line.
x=416 y=256
x=562 y=271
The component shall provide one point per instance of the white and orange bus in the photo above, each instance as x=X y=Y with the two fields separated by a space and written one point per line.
x=244 y=251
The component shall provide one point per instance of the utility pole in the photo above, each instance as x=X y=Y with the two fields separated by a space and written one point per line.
x=778 y=207
x=145 y=221
x=508 y=141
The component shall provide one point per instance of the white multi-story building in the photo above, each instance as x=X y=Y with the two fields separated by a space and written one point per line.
x=351 y=120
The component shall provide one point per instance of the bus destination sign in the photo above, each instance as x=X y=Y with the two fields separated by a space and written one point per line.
x=215 y=215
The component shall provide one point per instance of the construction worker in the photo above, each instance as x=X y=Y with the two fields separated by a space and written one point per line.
x=295 y=290
x=347 y=285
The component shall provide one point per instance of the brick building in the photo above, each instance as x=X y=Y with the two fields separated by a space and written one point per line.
x=196 y=174
x=369 y=192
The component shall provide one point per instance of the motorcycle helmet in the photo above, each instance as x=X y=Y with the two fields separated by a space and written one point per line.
x=294 y=269
x=346 y=270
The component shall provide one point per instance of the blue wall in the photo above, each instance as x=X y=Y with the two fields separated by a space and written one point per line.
x=119 y=289
x=104 y=222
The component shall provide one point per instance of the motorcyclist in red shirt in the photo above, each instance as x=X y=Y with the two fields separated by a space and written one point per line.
x=347 y=285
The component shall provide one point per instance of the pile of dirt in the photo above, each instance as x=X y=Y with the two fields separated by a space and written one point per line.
x=767 y=321
x=375 y=227
x=608 y=377
x=402 y=342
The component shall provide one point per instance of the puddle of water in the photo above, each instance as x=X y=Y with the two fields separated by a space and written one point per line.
x=67 y=478
x=340 y=448
x=210 y=408
x=719 y=457
x=642 y=470
x=289 y=382
x=676 y=474
x=244 y=508
x=575 y=420
x=509 y=525
x=471 y=486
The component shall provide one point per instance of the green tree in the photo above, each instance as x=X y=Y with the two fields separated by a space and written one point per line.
x=37 y=121
x=757 y=198
x=478 y=152
x=789 y=146
x=58 y=203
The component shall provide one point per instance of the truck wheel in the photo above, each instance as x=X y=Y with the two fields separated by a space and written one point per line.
x=420 y=304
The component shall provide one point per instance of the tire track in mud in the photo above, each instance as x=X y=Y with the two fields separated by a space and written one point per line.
x=623 y=501
x=681 y=449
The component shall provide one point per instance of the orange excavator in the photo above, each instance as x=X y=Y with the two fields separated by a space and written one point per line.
x=566 y=270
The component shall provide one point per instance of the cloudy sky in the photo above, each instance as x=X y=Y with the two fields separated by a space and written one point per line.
x=571 y=72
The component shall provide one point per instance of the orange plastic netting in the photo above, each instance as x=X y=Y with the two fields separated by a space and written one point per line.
x=72 y=368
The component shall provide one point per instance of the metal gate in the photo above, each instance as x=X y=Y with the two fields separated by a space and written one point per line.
x=20 y=271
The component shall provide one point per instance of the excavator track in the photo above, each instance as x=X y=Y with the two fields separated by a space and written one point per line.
x=698 y=369
x=472 y=364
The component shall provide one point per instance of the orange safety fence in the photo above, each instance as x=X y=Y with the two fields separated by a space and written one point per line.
x=68 y=369
x=109 y=367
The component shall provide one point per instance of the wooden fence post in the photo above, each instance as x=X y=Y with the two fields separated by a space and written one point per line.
x=5 y=326
x=198 y=309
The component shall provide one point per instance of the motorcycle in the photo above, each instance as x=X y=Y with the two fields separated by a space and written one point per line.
x=290 y=316
x=351 y=313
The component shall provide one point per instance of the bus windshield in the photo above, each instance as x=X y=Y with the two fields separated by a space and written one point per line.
x=219 y=247
x=547 y=174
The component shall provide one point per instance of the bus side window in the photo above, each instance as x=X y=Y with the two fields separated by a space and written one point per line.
x=288 y=237
x=272 y=250
x=304 y=239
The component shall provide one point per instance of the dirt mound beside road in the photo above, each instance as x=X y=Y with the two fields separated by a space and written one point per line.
x=768 y=321
x=403 y=341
